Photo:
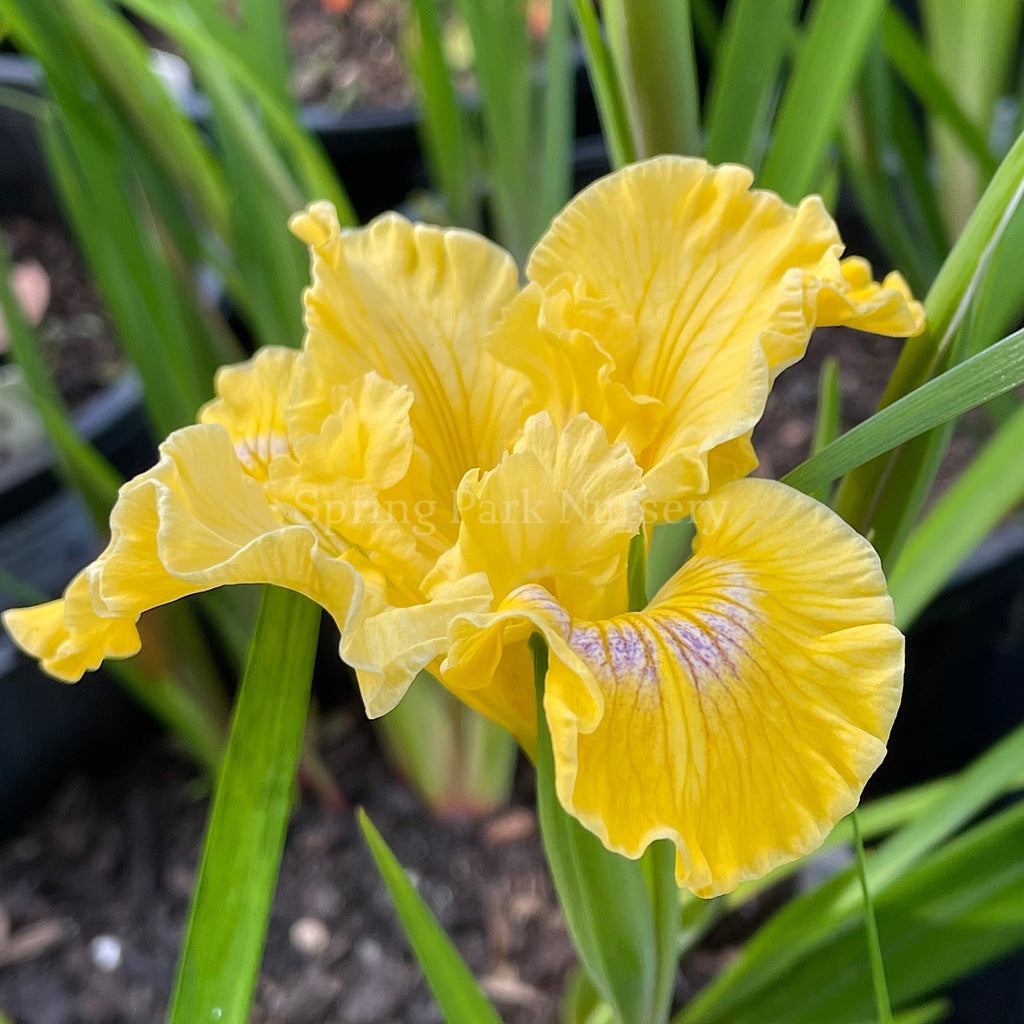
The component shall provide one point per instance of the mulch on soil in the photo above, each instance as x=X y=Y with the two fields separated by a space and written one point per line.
x=349 y=58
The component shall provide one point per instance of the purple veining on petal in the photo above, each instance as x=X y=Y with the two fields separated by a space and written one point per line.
x=617 y=650
x=709 y=642
x=588 y=642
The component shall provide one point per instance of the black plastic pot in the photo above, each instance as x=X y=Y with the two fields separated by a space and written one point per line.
x=379 y=158
x=964 y=686
x=46 y=536
x=25 y=187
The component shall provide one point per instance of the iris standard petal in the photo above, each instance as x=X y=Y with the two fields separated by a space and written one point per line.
x=559 y=509
x=414 y=303
x=247 y=497
x=719 y=287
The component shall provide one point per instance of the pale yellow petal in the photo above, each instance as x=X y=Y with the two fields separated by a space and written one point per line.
x=392 y=644
x=569 y=347
x=860 y=301
x=559 y=510
x=67 y=637
x=739 y=715
x=414 y=303
x=251 y=401
x=196 y=521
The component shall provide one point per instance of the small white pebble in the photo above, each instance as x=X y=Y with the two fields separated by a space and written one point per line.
x=369 y=952
x=309 y=936
x=106 y=952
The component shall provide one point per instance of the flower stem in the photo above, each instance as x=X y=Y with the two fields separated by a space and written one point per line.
x=882 y=1003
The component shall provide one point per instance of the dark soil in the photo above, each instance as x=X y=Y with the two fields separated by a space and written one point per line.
x=349 y=55
x=76 y=336
x=109 y=865
x=95 y=890
x=783 y=437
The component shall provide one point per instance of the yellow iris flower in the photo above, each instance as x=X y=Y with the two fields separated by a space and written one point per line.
x=453 y=462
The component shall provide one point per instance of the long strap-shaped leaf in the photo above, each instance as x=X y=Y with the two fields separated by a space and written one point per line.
x=971 y=383
x=960 y=520
x=804 y=925
x=911 y=60
x=652 y=45
x=610 y=102
x=245 y=835
x=946 y=305
x=830 y=55
x=754 y=41
x=451 y=981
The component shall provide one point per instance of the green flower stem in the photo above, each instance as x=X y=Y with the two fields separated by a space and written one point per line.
x=882 y=1003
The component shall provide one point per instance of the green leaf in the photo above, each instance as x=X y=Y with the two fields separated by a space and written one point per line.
x=954 y=911
x=604 y=896
x=883 y=1005
x=706 y=27
x=271 y=262
x=972 y=44
x=100 y=43
x=652 y=46
x=454 y=987
x=659 y=866
x=886 y=164
x=947 y=304
x=443 y=123
x=970 y=383
x=930 y=1013
x=915 y=67
x=637 y=573
x=670 y=547
x=454 y=756
x=501 y=61
x=176 y=709
x=241 y=855
x=557 y=129
x=827 y=62
x=177 y=19
x=745 y=75
x=798 y=932
x=87 y=470
x=266 y=45
x=607 y=89
x=827 y=422
x=975 y=503
x=103 y=203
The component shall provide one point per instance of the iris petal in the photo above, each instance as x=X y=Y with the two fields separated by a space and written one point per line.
x=414 y=303
x=719 y=286
x=194 y=522
x=559 y=509
x=742 y=712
